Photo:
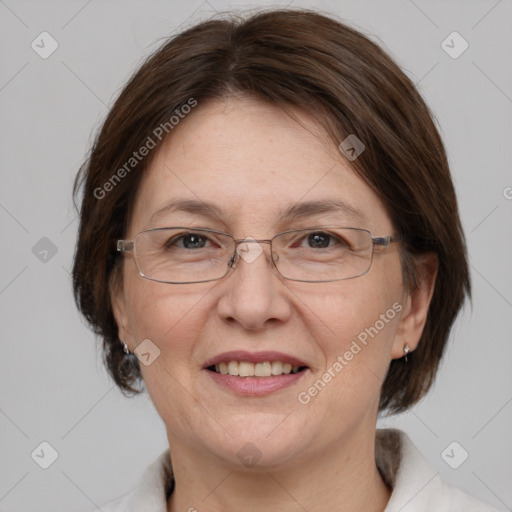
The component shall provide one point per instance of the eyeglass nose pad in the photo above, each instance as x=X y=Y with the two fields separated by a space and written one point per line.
x=233 y=260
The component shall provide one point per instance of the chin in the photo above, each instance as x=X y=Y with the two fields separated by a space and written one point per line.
x=259 y=442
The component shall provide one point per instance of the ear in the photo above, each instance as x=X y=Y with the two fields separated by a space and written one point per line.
x=416 y=305
x=120 y=309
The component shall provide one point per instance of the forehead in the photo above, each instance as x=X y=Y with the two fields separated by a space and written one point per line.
x=251 y=164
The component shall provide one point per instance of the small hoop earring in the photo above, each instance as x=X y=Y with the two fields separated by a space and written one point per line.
x=407 y=349
x=125 y=348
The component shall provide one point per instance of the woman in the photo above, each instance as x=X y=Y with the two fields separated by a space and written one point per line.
x=270 y=243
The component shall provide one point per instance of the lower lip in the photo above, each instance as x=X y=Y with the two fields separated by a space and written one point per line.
x=255 y=386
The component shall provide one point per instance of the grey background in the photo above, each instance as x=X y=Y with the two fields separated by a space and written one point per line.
x=52 y=385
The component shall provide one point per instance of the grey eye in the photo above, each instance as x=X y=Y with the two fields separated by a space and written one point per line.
x=319 y=240
x=188 y=241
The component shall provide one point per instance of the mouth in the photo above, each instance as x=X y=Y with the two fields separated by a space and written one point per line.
x=255 y=374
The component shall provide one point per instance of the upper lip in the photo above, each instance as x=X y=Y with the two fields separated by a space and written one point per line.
x=253 y=357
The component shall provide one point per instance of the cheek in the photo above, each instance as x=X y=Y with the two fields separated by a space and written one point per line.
x=173 y=322
x=171 y=319
x=354 y=324
x=355 y=330
x=349 y=312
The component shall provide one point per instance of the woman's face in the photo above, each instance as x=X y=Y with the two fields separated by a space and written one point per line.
x=251 y=162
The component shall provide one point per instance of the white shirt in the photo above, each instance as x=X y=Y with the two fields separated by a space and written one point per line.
x=416 y=485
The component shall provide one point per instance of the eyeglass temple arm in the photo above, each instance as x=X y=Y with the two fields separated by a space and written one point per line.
x=384 y=240
x=124 y=245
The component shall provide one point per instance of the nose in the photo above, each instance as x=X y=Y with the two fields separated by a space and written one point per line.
x=253 y=293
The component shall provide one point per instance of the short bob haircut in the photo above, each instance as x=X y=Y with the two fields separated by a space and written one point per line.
x=293 y=59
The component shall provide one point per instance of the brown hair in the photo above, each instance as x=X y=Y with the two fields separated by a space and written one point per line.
x=292 y=58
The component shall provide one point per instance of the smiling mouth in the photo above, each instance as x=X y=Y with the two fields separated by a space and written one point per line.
x=248 y=369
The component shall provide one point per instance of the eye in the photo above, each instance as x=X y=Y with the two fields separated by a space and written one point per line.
x=187 y=241
x=319 y=240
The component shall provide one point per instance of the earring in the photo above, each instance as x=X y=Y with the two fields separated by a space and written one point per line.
x=407 y=349
x=125 y=348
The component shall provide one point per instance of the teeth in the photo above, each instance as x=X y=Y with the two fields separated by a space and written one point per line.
x=233 y=368
x=246 y=369
x=277 y=368
x=263 y=369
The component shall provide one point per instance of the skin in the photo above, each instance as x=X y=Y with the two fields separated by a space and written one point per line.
x=252 y=160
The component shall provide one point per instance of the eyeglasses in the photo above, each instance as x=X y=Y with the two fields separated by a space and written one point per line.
x=183 y=255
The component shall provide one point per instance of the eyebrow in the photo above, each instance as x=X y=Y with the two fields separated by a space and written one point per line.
x=292 y=212
x=310 y=208
x=189 y=206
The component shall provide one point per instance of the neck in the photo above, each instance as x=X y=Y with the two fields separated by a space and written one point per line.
x=343 y=478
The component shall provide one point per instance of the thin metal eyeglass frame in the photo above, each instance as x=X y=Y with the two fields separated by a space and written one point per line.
x=125 y=246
